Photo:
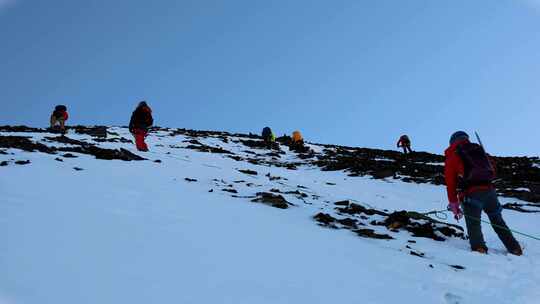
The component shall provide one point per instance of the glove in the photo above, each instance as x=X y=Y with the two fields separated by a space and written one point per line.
x=456 y=210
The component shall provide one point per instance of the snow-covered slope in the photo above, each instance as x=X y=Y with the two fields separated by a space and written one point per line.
x=182 y=227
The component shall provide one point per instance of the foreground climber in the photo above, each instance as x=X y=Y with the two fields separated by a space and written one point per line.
x=141 y=120
x=405 y=143
x=469 y=174
x=59 y=117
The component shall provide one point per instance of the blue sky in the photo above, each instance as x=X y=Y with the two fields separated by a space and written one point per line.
x=353 y=72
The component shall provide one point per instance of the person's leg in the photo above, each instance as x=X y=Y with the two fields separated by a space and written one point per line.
x=53 y=121
x=472 y=214
x=144 y=146
x=493 y=209
x=409 y=149
x=139 y=139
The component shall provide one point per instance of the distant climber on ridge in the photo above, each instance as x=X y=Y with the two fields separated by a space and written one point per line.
x=297 y=143
x=297 y=139
x=268 y=137
x=141 y=121
x=405 y=143
x=59 y=117
x=469 y=173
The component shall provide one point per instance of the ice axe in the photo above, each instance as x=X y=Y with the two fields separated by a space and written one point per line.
x=478 y=139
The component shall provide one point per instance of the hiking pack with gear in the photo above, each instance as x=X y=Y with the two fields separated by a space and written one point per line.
x=60 y=112
x=478 y=169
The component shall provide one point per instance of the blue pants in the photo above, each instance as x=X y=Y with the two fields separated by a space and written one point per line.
x=488 y=202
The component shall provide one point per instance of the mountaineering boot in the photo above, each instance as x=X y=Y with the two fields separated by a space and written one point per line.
x=518 y=251
x=482 y=250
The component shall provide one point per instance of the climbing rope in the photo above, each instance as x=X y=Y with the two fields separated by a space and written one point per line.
x=442 y=214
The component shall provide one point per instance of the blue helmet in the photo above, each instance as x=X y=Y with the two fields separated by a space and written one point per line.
x=457 y=136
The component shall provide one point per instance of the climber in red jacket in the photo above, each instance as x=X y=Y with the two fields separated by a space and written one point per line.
x=141 y=121
x=469 y=173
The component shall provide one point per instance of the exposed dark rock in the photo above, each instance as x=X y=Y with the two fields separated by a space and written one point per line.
x=418 y=254
x=370 y=233
x=24 y=143
x=69 y=155
x=101 y=153
x=342 y=203
x=158 y=161
x=355 y=209
x=458 y=267
x=116 y=140
x=187 y=179
x=59 y=159
x=22 y=162
x=67 y=140
x=21 y=129
x=230 y=190
x=325 y=219
x=249 y=172
x=95 y=131
x=78 y=169
x=208 y=149
x=421 y=226
x=525 y=208
x=271 y=199
x=236 y=157
x=259 y=144
x=3 y=163
x=349 y=222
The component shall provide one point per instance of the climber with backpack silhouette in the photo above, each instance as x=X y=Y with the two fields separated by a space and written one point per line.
x=141 y=120
x=268 y=137
x=405 y=143
x=297 y=143
x=469 y=173
x=58 y=118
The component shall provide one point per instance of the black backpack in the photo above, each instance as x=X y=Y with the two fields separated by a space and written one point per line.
x=478 y=168
x=60 y=108
x=266 y=132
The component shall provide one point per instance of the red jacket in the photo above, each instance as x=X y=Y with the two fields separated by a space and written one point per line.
x=453 y=171
x=60 y=114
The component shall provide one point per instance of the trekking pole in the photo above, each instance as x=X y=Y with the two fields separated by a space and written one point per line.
x=483 y=221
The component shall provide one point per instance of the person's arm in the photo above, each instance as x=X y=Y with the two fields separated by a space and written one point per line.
x=132 y=122
x=452 y=168
x=451 y=177
x=150 y=120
